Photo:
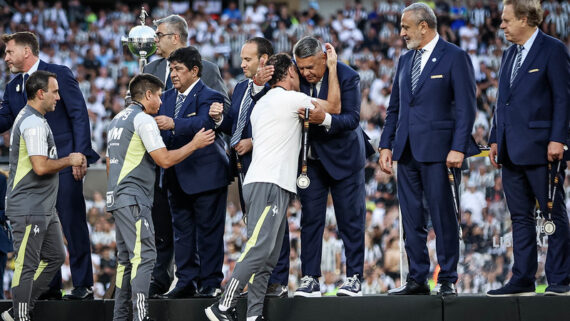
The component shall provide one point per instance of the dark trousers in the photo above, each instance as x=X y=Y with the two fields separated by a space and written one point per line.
x=162 y=274
x=349 y=205
x=73 y=216
x=524 y=185
x=416 y=180
x=198 y=226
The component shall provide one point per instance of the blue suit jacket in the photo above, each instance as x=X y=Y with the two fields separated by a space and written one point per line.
x=342 y=149
x=69 y=122
x=206 y=168
x=535 y=110
x=439 y=116
x=229 y=123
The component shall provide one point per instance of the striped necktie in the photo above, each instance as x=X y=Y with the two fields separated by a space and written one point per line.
x=179 y=103
x=417 y=68
x=242 y=119
x=517 y=65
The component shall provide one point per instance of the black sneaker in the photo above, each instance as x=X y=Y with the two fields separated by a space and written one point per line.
x=7 y=315
x=214 y=313
x=51 y=294
x=350 y=287
x=276 y=290
x=512 y=290
x=309 y=288
x=557 y=289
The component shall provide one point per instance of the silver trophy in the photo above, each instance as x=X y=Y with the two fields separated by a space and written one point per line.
x=141 y=41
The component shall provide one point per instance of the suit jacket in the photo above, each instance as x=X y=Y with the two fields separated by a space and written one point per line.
x=210 y=76
x=229 y=124
x=439 y=116
x=69 y=122
x=207 y=168
x=535 y=110
x=341 y=149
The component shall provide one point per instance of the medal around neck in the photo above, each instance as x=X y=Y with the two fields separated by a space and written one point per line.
x=548 y=227
x=303 y=181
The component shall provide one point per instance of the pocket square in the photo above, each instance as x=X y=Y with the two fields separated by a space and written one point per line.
x=533 y=70
x=436 y=76
x=190 y=115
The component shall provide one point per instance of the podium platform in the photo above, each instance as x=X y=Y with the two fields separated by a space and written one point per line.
x=367 y=308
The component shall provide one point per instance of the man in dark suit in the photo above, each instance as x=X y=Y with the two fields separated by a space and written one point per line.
x=428 y=129
x=237 y=125
x=337 y=155
x=197 y=187
x=171 y=34
x=70 y=126
x=530 y=129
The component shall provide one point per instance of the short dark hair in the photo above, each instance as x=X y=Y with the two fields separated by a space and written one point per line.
x=38 y=80
x=281 y=62
x=24 y=38
x=307 y=47
x=189 y=56
x=264 y=46
x=143 y=82
x=531 y=9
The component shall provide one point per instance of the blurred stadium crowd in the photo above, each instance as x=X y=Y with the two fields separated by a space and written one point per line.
x=367 y=38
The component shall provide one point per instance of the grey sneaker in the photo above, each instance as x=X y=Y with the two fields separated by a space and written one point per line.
x=8 y=315
x=350 y=287
x=309 y=288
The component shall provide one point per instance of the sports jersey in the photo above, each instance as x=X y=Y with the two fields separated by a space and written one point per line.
x=29 y=193
x=132 y=135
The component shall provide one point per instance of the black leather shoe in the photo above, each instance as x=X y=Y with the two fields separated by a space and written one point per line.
x=209 y=292
x=179 y=293
x=51 y=294
x=411 y=288
x=155 y=291
x=80 y=293
x=446 y=288
x=277 y=290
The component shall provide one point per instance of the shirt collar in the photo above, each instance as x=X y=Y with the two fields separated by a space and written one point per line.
x=187 y=91
x=33 y=69
x=530 y=41
x=431 y=45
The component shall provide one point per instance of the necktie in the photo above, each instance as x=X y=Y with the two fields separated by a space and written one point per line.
x=179 y=103
x=517 y=65
x=417 y=68
x=242 y=119
x=168 y=82
x=315 y=93
x=25 y=78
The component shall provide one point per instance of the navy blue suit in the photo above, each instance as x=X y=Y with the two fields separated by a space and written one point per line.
x=6 y=243
x=70 y=126
x=280 y=273
x=422 y=128
x=197 y=191
x=529 y=115
x=339 y=156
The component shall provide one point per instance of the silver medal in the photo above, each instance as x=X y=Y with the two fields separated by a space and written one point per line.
x=303 y=181
x=548 y=227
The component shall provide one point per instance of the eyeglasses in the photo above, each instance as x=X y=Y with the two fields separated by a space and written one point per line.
x=159 y=35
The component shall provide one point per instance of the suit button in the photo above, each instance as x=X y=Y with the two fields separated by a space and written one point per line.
x=508 y=103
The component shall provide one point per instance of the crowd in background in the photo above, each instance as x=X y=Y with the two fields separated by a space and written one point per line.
x=367 y=38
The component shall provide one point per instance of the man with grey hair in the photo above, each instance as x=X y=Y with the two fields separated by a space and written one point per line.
x=428 y=131
x=171 y=34
x=337 y=154
x=528 y=138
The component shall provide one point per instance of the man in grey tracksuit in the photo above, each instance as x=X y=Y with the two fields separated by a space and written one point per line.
x=133 y=145
x=32 y=193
